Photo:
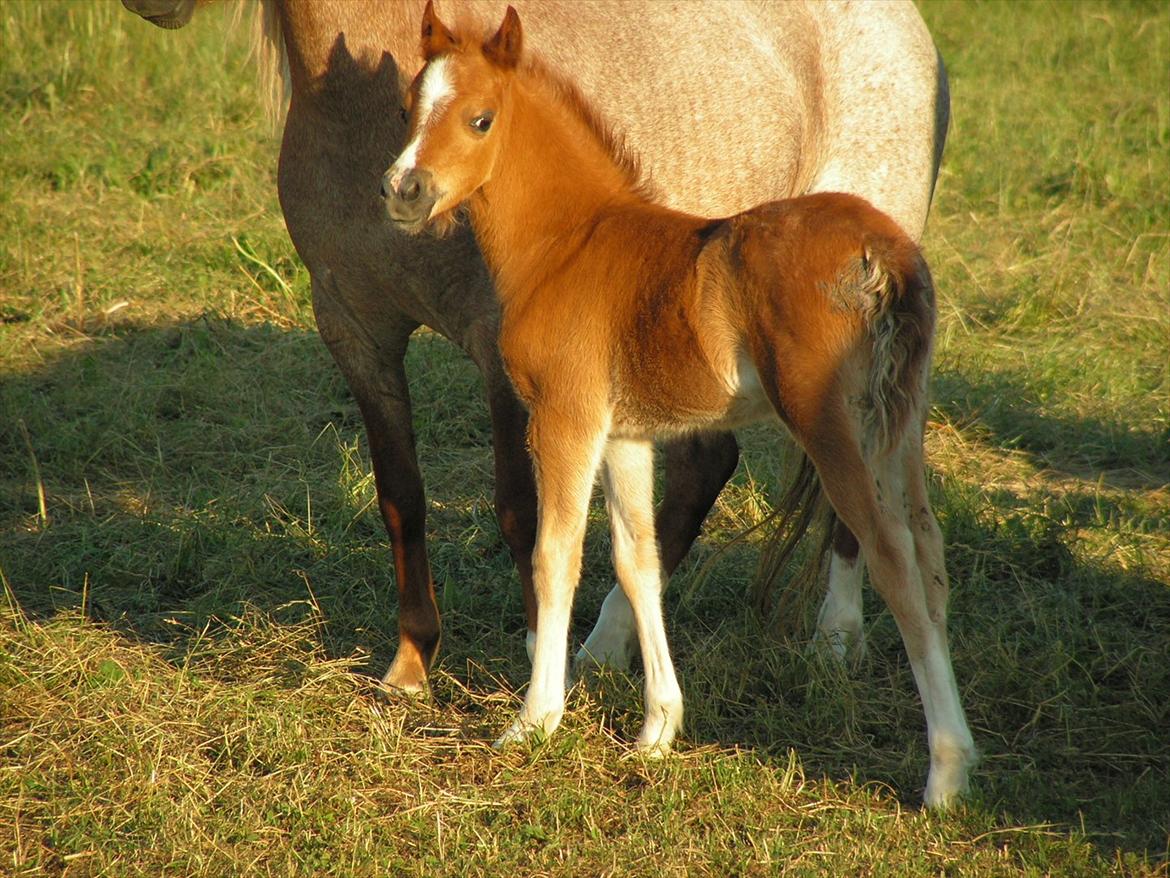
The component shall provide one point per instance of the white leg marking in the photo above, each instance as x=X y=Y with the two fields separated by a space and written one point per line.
x=564 y=481
x=952 y=749
x=628 y=479
x=611 y=643
x=839 y=621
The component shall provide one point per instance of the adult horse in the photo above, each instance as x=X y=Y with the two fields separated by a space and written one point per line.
x=726 y=105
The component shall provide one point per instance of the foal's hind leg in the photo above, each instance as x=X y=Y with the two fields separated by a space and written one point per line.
x=696 y=469
x=872 y=500
x=839 y=620
x=628 y=478
x=952 y=749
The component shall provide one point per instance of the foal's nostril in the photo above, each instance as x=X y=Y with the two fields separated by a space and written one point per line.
x=409 y=197
x=409 y=189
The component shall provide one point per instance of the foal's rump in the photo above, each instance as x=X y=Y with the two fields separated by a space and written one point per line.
x=838 y=310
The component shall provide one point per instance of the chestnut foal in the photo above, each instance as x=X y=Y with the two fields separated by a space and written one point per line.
x=623 y=321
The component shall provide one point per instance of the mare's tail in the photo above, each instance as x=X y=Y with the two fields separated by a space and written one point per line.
x=783 y=597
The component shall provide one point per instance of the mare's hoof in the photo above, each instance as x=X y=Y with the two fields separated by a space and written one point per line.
x=523 y=731
x=593 y=657
x=388 y=693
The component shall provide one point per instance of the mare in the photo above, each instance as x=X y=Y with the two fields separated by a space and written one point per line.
x=624 y=320
x=826 y=96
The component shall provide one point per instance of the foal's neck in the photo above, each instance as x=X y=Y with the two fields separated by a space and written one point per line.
x=556 y=176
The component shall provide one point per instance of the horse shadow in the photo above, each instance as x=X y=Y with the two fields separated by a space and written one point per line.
x=196 y=471
x=199 y=470
x=1116 y=454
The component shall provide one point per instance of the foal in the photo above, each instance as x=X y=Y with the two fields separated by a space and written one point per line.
x=623 y=321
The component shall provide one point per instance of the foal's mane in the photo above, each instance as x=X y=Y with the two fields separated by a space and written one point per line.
x=610 y=139
x=470 y=36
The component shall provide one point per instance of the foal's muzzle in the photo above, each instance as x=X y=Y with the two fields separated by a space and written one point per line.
x=409 y=198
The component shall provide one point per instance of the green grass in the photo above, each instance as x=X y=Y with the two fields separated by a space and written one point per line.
x=197 y=587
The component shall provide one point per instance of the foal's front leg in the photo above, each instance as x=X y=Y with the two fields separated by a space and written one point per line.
x=628 y=478
x=696 y=469
x=566 y=452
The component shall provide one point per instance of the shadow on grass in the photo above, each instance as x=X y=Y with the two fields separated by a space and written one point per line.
x=1005 y=405
x=196 y=469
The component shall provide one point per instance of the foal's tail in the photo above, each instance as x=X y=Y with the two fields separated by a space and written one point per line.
x=897 y=296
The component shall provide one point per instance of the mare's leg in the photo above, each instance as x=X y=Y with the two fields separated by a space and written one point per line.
x=566 y=453
x=373 y=368
x=628 y=478
x=696 y=470
x=839 y=621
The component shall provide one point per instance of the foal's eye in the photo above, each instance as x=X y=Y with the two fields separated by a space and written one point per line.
x=481 y=123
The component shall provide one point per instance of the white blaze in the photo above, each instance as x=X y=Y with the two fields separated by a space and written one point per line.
x=435 y=89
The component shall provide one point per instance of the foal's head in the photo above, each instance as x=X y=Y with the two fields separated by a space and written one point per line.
x=458 y=105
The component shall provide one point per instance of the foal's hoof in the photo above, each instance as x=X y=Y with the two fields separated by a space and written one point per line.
x=658 y=731
x=840 y=646
x=654 y=751
x=523 y=732
x=948 y=781
x=516 y=734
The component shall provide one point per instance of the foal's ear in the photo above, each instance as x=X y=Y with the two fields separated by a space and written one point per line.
x=504 y=48
x=436 y=39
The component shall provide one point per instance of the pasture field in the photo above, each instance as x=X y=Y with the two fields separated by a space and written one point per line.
x=197 y=591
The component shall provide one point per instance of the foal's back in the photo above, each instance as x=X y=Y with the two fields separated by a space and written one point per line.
x=789 y=289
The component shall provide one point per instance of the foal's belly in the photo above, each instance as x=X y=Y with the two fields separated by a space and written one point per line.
x=748 y=402
x=693 y=403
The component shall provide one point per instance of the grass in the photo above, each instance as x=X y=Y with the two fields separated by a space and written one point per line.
x=197 y=587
